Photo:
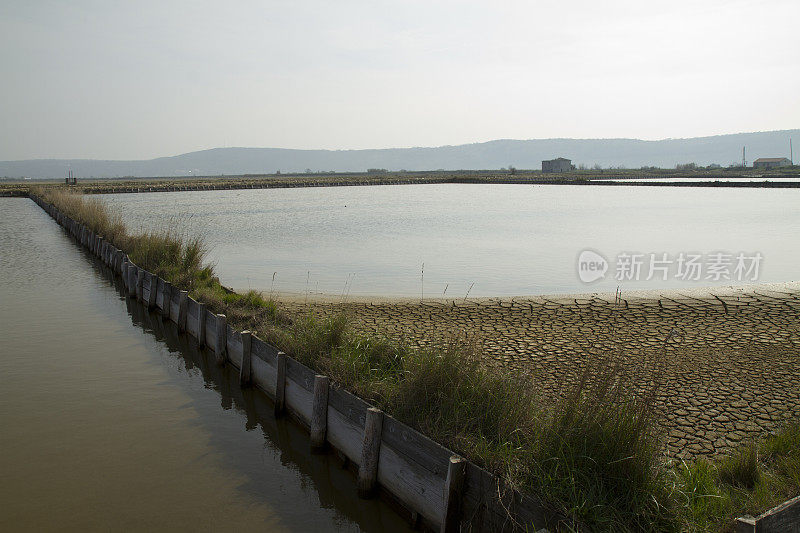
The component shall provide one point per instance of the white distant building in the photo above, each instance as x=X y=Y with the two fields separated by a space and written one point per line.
x=771 y=162
x=557 y=165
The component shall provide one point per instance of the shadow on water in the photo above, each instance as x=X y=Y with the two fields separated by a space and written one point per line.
x=321 y=477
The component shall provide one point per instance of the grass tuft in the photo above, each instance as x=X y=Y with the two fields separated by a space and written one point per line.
x=741 y=468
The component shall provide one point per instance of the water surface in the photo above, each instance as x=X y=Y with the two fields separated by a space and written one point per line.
x=496 y=239
x=112 y=420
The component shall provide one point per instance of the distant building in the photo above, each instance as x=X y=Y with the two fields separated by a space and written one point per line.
x=771 y=162
x=557 y=165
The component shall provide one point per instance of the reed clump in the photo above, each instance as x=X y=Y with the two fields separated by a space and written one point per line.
x=591 y=451
x=753 y=478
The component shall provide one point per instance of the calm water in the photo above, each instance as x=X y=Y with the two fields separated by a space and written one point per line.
x=504 y=239
x=110 y=420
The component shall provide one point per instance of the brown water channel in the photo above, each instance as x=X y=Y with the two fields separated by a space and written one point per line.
x=111 y=419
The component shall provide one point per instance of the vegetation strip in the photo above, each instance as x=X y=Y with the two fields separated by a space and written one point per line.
x=594 y=454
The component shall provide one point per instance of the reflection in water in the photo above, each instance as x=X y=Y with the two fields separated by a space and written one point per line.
x=334 y=484
x=109 y=423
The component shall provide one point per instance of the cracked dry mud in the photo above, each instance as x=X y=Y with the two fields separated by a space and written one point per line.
x=728 y=361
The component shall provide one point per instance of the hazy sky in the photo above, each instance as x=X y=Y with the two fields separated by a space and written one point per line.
x=132 y=80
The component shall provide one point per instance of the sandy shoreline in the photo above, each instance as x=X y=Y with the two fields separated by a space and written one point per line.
x=788 y=287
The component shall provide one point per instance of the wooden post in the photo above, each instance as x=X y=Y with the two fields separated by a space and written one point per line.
x=139 y=283
x=280 y=384
x=319 y=414
x=132 y=280
x=151 y=300
x=745 y=525
x=453 y=485
x=183 y=309
x=166 y=299
x=201 y=325
x=245 y=369
x=222 y=339
x=370 y=453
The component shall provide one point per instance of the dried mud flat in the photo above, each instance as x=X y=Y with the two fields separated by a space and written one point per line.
x=728 y=359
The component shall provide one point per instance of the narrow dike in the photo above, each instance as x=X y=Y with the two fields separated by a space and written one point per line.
x=435 y=488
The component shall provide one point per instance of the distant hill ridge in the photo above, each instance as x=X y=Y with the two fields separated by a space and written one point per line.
x=524 y=154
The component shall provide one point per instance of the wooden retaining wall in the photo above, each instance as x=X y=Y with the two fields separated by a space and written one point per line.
x=438 y=489
x=784 y=518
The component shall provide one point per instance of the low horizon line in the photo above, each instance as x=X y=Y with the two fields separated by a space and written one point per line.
x=400 y=147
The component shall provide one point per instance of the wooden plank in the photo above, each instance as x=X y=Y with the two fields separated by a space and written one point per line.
x=145 y=286
x=167 y=300
x=416 y=447
x=183 y=301
x=263 y=374
x=264 y=351
x=494 y=506
x=245 y=370
x=280 y=384
x=234 y=346
x=152 y=292
x=298 y=399
x=192 y=323
x=211 y=330
x=300 y=374
x=319 y=414
x=221 y=335
x=200 y=321
x=406 y=484
x=174 y=304
x=350 y=406
x=160 y=299
x=784 y=518
x=139 y=283
x=132 y=276
x=415 y=476
x=745 y=525
x=344 y=434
